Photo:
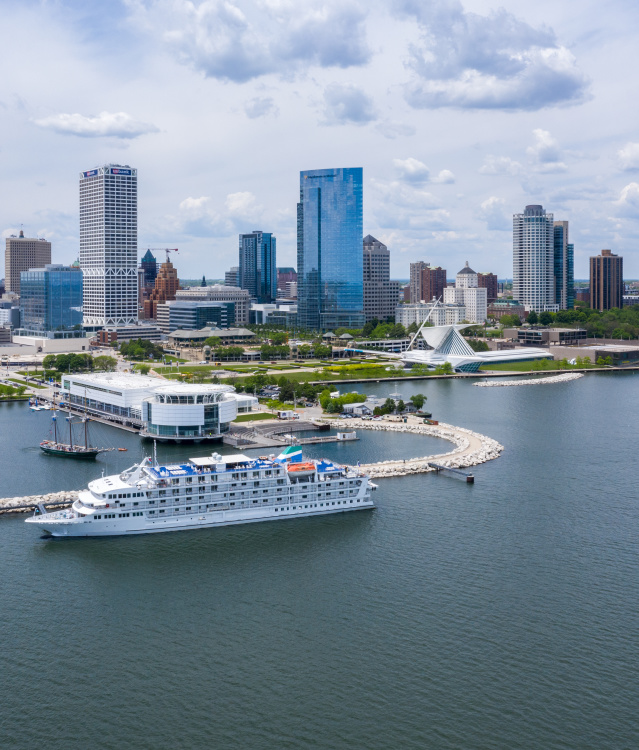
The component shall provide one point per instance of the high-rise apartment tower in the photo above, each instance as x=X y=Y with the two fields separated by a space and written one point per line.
x=109 y=245
x=257 y=269
x=533 y=259
x=606 y=281
x=330 y=286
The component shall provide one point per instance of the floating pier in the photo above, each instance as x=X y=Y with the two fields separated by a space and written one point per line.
x=454 y=473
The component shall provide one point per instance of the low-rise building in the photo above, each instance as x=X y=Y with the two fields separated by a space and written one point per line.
x=193 y=315
x=220 y=293
x=550 y=336
x=500 y=307
x=280 y=313
x=437 y=313
x=227 y=336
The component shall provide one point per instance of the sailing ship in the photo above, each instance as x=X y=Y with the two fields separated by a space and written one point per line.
x=71 y=449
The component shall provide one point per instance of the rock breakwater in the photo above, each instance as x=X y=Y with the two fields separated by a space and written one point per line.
x=563 y=378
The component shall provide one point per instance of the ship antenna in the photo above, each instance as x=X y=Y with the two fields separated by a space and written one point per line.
x=155 y=453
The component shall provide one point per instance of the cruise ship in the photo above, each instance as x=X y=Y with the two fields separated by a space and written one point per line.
x=208 y=492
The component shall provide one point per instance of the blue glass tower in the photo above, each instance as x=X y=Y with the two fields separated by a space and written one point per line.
x=330 y=275
x=258 y=268
x=563 y=267
x=51 y=298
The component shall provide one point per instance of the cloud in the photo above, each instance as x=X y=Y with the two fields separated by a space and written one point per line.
x=545 y=153
x=113 y=124
x=345 y=103
x=628 y=157
x=628 y=203
x=402 y=206
x=259 y=107
x=500 y=165
x=390 y=129
x=200 y=218
x=232 y=43
x=493 y=212
x=415 y=171
x=469 y=61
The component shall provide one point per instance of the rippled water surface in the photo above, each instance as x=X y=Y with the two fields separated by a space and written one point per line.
x=499 y=615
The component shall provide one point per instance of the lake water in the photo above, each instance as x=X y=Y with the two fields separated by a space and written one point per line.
x=496 y=615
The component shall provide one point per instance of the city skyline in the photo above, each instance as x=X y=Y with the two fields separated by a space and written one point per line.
x=449 y=151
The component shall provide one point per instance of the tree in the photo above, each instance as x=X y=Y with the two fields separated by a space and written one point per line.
x=369 y=327
x=388 y=406
x=412 y=328
x=144 y=369
x=417 y=400
x=213 y=342
x=105 y=363
x=397 y=331
x=532 y=318
x=545 y=318
x=49 y=362
x=510 y=320
x=478 y=346
x=401 y=406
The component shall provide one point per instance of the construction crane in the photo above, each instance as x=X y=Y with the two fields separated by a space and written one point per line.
x=166 y=250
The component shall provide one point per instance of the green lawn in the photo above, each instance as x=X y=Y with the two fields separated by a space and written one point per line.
x=551 y=366
x=250 y=417
x=27 y=385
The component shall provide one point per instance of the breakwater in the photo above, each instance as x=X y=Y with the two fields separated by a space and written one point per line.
x=563 y=378
x=471 y=448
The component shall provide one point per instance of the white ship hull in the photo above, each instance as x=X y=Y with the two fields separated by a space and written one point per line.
x=207 y=493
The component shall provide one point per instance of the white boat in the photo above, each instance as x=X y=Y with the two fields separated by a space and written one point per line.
x=209 y=492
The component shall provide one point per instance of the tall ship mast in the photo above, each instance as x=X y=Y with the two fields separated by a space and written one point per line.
x=208 y=492
x=72 y=449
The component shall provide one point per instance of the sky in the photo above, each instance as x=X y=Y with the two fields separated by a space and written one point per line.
x=460 y=114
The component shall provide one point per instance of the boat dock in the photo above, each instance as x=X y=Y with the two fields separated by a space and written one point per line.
x=455 y=473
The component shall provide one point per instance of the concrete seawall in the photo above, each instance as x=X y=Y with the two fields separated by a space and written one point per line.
x=470 y=449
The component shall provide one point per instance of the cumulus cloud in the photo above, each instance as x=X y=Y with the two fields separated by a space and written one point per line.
x=402 y=206
x=200 y=217
x=345 y=103
x=415 y=171
x=545 y=153
x=114 y=124
x=628 y=203
x=493 y=212
x=390 y=129
x=259 y=107
x=496 y=61
x=500 y=165
x=223 y=40
x=628 y=157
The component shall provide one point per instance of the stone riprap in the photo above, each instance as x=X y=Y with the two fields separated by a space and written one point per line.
x=563 y=378
x=471 y=448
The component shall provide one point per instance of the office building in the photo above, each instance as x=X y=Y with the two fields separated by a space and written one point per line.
x=109 y=245
x=232 y=276
x=149 y=265
x=192 y=315
x=50 y=299
x=468 y=293
x=258 y=272
x=166 y=286
x=437 y=313
x=606 y=281
x=426 y=282
x=380 y=294
x=220 y=293
x=563 y=267
x=9 y=314
x=285 y=275
x=22 y=253
x=533 y=260
x=330 y=287
x=282 y=313
x=488 y=281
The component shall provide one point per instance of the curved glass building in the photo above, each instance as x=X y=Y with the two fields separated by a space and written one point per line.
x=330 y=280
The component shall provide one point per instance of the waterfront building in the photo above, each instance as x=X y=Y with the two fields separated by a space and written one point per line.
x=50 y=299
x=232 y=276
x=109 y=245
x=22 y=253
x=380 y=294
x=533 y=259
x=564 y=252
x=192 y=315
x=166 y=286
x=488 y=281
x=437 y=313
x=551 y=336
x=177 y=412
x=220 y=293
x=228 y=337
x=258 y=270
x=329 y=249
x=500 y=307
x=468 y=293
x=606 y=281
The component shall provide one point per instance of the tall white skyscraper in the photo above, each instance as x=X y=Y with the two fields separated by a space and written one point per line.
x=109 y=245
x=533 y=260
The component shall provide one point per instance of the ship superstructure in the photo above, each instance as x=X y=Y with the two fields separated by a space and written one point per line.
x=209 y=491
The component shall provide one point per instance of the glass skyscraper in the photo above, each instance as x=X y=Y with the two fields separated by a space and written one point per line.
x=564 y=264
x=330 y=276
x=258 y=268
x=51 y=298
